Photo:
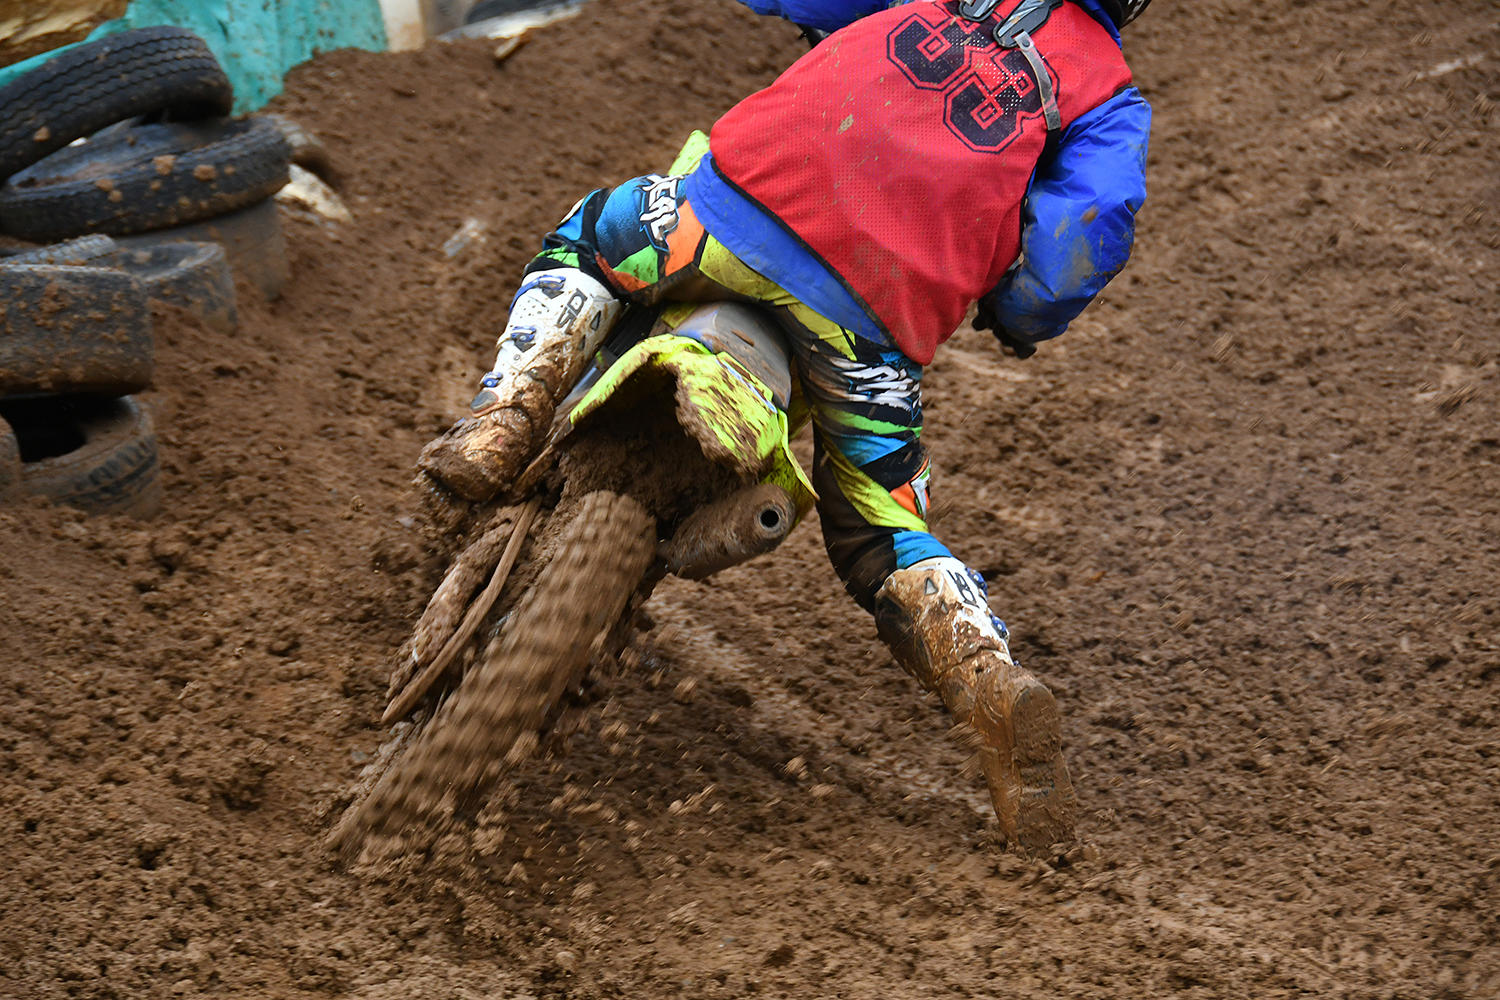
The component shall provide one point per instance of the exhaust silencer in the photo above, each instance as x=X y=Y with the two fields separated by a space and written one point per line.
x=727 y=532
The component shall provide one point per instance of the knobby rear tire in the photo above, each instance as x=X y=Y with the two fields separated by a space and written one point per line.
x=599 y=560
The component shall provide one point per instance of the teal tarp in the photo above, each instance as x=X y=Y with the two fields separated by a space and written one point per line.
x=257 y=41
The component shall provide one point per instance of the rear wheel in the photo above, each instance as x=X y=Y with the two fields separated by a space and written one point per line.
x=600 y=557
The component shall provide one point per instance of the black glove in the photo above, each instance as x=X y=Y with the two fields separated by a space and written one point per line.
x=813 y=35
x=1011 y=343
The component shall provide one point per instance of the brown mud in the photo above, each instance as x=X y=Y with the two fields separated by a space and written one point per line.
x=1242 y=518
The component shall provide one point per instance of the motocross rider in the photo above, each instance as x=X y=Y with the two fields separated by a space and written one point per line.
x=923 y=157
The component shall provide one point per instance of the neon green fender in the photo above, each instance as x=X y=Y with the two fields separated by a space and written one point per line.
x=727 y=409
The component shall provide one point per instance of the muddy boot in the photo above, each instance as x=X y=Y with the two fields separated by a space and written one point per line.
x=935 y=620
x=557 y=322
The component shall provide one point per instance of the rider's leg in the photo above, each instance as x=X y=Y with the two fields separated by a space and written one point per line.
x=871 y=475
x=557 y=321
x=637 y=242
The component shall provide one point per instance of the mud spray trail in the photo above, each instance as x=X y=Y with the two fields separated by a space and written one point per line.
x=1243 y=518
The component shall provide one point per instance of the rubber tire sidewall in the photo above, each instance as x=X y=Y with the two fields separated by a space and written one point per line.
x=194 y=276
x=117 y=470
x=92 y=85
x=252 y=238
x=10 y=462
x=190 y=173
x=73 y=329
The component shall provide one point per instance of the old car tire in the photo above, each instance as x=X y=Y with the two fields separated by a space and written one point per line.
x=73 y=329
x=93 y=453
x=192 y=276
x=162 y=68
x=83 y=250
x=252 y=238
x=145 y=177
x=10 y=462
x=195 y=276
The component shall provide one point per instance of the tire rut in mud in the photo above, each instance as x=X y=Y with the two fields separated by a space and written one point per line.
x=495 y=713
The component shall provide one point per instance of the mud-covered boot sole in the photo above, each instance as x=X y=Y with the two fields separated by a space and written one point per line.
x=1045 y=806
x=1021 y=729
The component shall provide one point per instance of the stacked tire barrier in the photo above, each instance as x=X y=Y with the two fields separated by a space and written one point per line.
x=164 y=200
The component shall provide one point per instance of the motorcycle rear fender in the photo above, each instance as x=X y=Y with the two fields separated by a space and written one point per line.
x=743 y=333
x=733 y=382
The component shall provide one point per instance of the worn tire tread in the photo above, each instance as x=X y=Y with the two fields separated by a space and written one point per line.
x=600 y=559
x=239 y=164
x=116 y=471
x=160 y=68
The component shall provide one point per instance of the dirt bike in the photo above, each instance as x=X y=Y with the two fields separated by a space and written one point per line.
x=671 y=457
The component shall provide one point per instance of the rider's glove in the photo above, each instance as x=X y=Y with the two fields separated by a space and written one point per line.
x=1011 y=343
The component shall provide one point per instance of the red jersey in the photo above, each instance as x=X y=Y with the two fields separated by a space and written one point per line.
x=900 y=149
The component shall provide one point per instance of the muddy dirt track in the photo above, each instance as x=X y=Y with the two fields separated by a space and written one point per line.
x=1244 y=518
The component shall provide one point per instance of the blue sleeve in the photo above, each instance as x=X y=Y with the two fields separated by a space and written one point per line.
x=1078 y=223
x=829 y=15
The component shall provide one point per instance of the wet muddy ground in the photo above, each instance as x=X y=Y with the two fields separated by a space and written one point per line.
x=1243 y=518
